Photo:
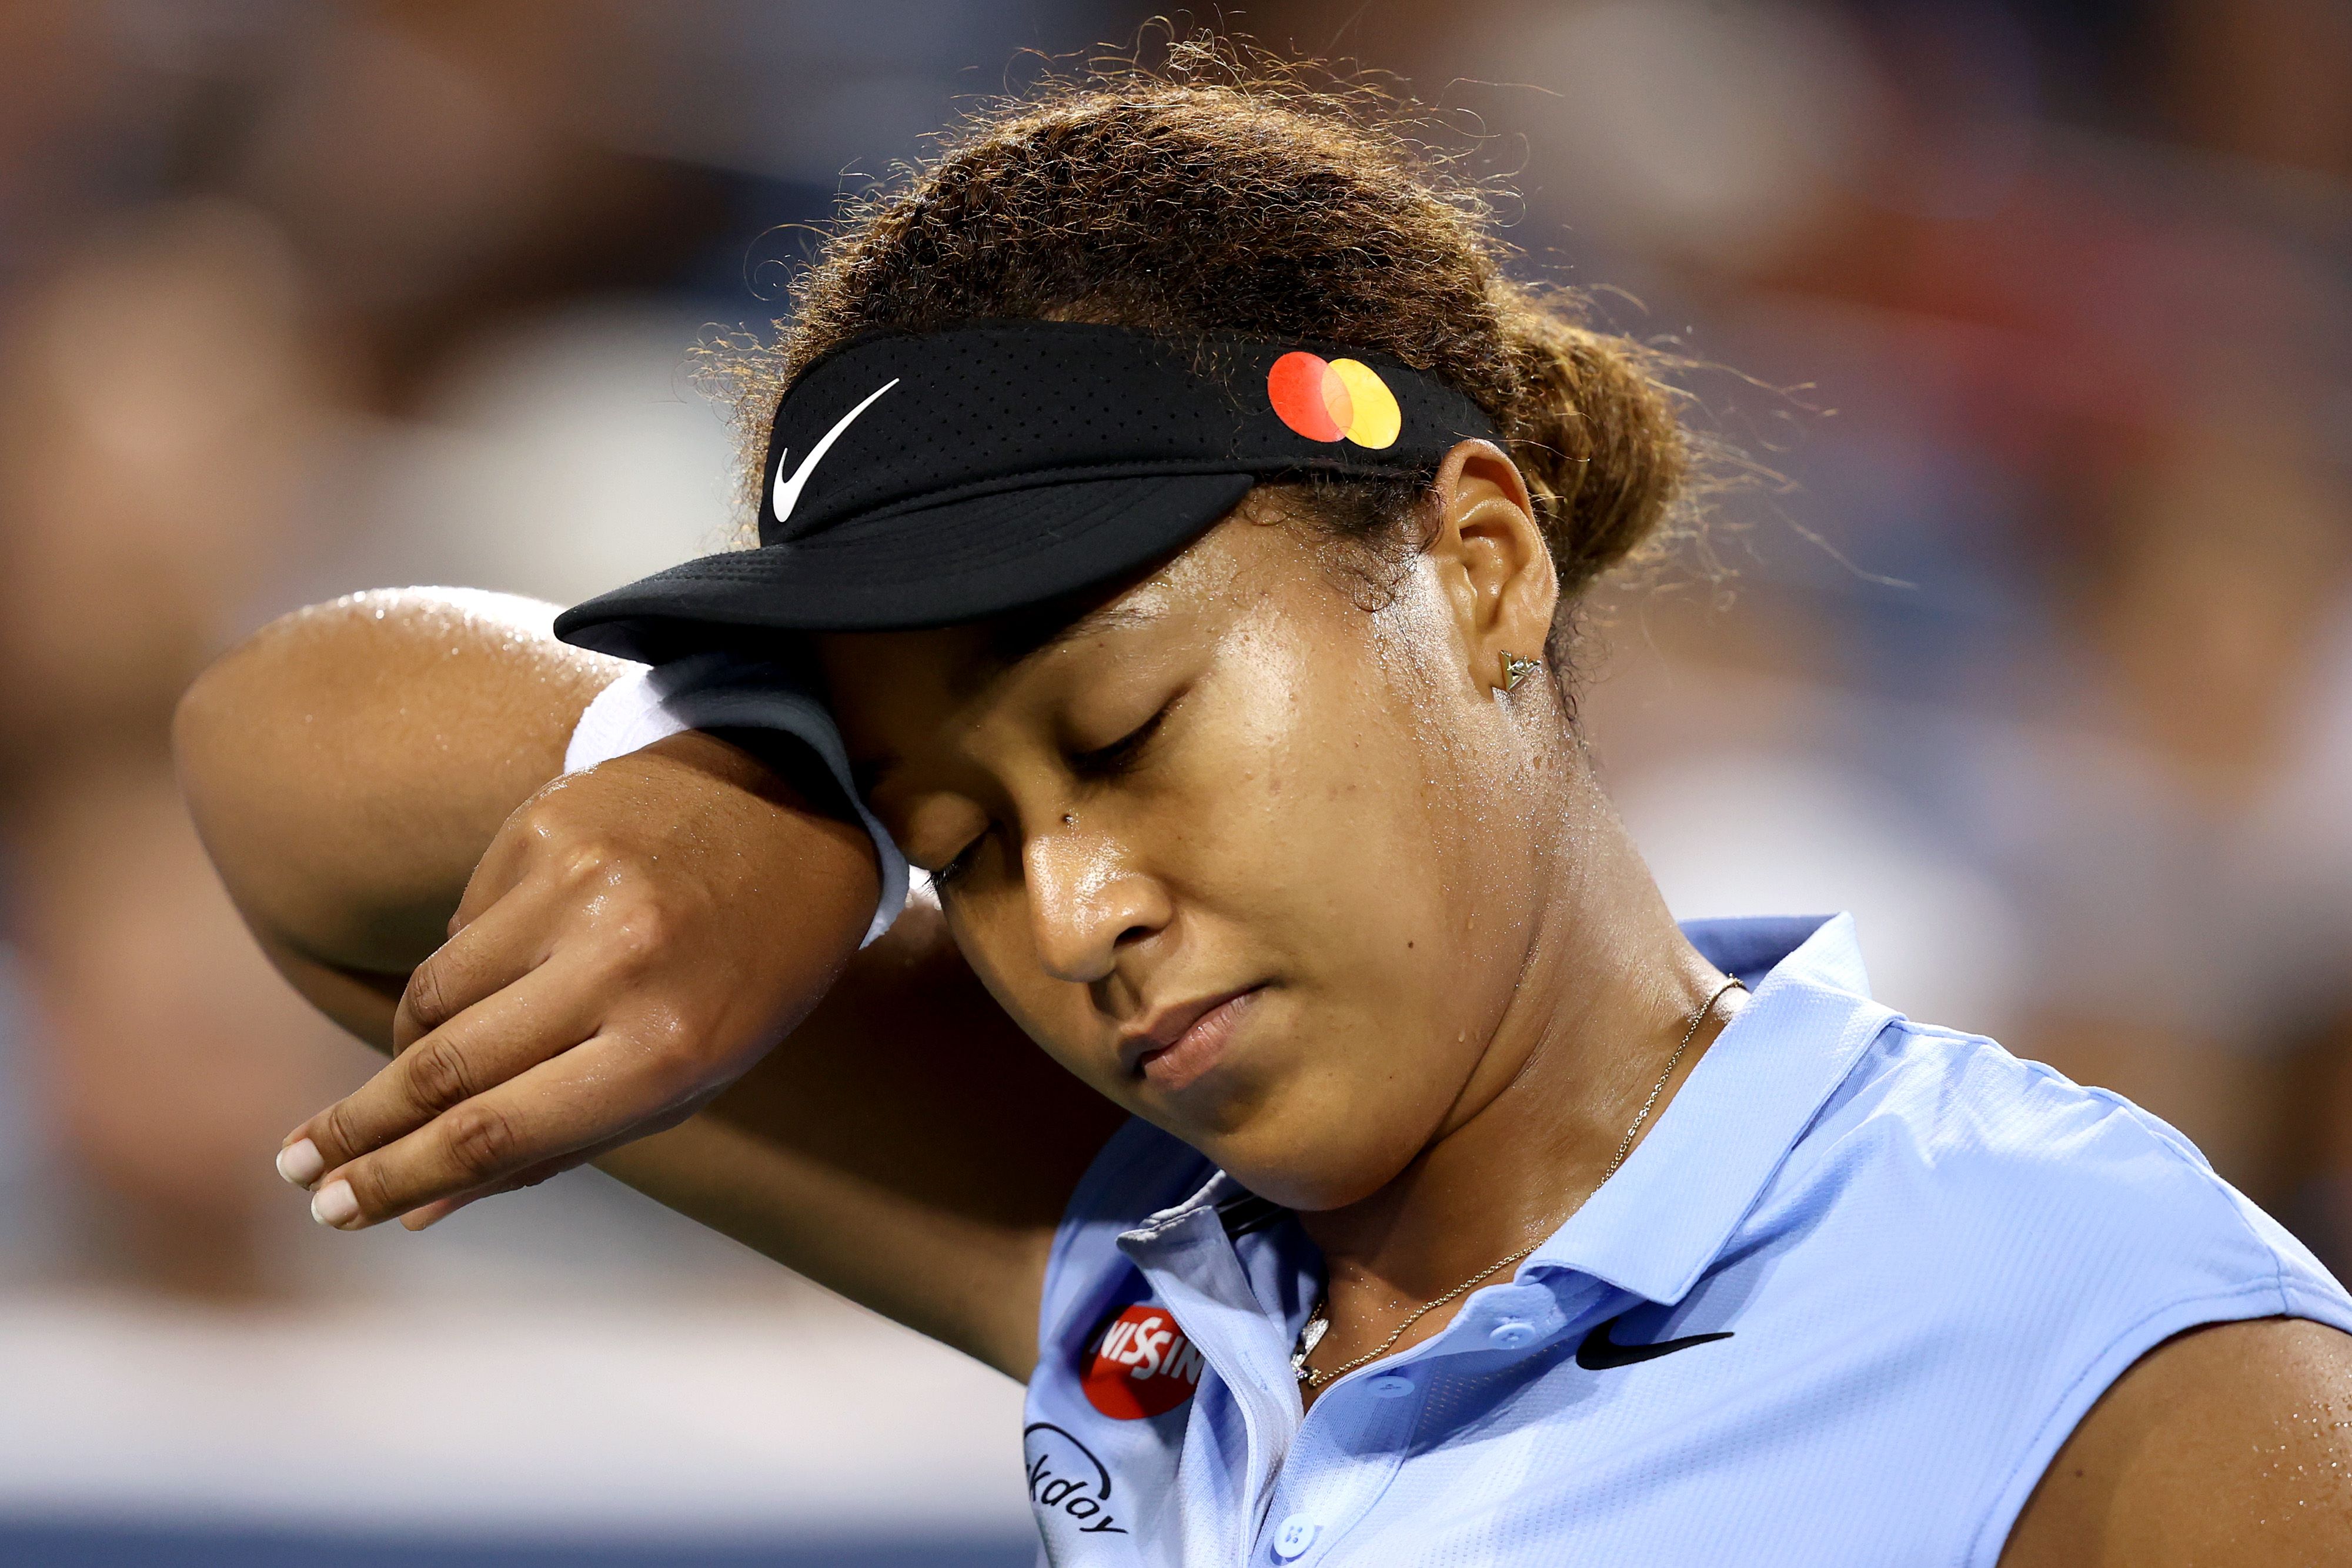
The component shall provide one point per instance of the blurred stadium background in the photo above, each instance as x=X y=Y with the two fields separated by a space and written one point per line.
x=2040 y=660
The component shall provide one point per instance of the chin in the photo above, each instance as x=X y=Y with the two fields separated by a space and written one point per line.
x=1306 y=1139
x=1308 y=1169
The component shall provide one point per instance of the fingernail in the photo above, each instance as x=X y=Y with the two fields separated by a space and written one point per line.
x=334 y=1203
x=300 y=1162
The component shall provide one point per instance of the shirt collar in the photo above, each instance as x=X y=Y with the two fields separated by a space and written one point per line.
x=1653 y=1227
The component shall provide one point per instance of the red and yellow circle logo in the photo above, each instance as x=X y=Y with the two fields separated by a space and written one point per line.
x=1142 y=1365
x=1329 y=399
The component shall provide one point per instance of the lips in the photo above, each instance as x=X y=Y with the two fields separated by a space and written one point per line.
x=1176 y=1045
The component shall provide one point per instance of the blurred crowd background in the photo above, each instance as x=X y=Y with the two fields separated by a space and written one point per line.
x=2030 y=639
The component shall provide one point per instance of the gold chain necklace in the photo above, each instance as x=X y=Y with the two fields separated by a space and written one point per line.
x=1319 y=1322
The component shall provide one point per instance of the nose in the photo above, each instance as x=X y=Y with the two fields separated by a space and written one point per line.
x=1087 y=905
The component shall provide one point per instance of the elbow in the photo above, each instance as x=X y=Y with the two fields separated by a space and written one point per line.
x=226 y=721
x=229 y=727
x=199 y=713
x=196 y=721
x=205 y=721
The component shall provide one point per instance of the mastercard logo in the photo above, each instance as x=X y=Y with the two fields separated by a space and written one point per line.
x=1141 y=1365
x=1333 y=399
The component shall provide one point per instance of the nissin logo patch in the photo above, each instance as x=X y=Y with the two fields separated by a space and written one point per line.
x=1141 y=1365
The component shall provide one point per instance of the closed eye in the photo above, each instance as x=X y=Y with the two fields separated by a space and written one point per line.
x=1120 y=755
x=959 y=865
x=1101 y=763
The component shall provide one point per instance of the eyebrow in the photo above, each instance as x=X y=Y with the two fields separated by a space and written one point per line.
x=1042 y=630
x=1094 y=624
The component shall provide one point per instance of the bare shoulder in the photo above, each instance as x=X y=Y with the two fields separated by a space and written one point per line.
x=2226 y=1447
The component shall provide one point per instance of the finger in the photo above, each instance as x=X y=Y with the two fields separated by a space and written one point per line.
x=545 y=1013
x=489 y=953
x=432 y=1213
x=598 y=1090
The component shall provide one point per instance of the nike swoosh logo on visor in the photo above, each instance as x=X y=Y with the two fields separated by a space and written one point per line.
x=1599 y=1353
x=788 y=491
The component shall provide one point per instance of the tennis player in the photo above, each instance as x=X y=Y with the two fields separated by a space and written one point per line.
x=1183 y=522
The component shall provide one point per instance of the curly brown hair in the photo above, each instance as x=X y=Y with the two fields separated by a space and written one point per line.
x=1218 y=192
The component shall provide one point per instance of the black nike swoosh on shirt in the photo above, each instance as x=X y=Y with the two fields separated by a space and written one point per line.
x=1599 y=1353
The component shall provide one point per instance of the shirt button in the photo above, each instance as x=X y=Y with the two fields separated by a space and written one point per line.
x=1391 y=1385
x=1511 y=1333
x=1294 y=1536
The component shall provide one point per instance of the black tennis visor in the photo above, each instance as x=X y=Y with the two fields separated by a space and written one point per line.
x=928 y=479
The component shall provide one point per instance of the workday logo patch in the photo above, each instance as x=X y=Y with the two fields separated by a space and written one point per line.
x=1067 y=1482
x=1139 y=1365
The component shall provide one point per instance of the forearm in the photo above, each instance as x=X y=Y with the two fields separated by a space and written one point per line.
x=349 y=764
x=905 y=1144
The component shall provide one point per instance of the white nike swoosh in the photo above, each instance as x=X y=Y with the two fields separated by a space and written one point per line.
x=788 y=491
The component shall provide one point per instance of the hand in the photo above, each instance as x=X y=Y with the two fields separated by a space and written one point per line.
x=635 y=938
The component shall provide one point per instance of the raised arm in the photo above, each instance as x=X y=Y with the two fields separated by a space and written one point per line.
x=567 y=966
x=350 y=764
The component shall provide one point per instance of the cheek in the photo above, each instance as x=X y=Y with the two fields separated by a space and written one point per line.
x=1345 y=847
x=1341 y=807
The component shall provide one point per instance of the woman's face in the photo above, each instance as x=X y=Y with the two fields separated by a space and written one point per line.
x=1245 y=856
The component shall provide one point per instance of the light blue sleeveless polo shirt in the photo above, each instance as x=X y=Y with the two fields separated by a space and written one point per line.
x=1842 y=1305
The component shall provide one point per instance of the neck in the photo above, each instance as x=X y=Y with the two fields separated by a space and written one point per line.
x=1609 y=987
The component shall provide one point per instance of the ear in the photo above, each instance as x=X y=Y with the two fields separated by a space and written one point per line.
x=1490 y=560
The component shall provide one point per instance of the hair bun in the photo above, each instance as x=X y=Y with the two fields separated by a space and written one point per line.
x=1594 y=432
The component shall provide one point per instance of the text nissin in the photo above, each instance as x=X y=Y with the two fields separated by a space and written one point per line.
x=1142 y=1365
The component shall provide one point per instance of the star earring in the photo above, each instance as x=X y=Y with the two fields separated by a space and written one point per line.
x=1513 y=670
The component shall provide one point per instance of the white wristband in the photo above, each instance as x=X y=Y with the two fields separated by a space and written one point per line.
x=720 y=690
